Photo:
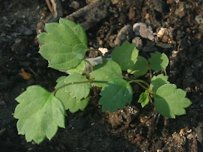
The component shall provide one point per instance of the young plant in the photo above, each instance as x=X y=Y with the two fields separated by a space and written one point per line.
x=64 y=45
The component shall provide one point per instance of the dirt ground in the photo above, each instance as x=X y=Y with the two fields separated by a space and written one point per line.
x=108 y=23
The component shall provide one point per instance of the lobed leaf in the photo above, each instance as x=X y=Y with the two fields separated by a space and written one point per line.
x=125 y=55
x=80 y=68
x=75 y=105
x=75 y=85
x=140 y=67
x=116 y=95
x=158 y=61
x=158 y=81
x=64 y=44
x=70 y=103
x=108 y=71
x=39 y=114
x=170 y=101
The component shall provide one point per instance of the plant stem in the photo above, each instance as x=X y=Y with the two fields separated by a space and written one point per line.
x=141 y=83
x=80 y=82
x=165 y=72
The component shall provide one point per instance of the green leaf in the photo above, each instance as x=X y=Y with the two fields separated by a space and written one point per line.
x=170 y=101
x=80 y=68
x=70 y=103
x=77 y=31
x=107 y=71
x=125 y=55
x=60 y=80
x=39 y=114
x=158 y=81
x=158 y=61
x=75 y=85
x=63 y=44
x=75 y=105
x=144 y=98
x=116 y=95
x=140 y=67
x=73 y=96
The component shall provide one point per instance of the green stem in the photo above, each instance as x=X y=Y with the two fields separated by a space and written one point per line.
x=144 y=82
x=81 y=82
x=165 y=73
x=141 y=83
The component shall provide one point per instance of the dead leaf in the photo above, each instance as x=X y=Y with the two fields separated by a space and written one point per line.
x=25 y=75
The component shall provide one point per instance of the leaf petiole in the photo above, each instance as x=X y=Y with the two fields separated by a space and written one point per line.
x=80 y=82
x=141 y=83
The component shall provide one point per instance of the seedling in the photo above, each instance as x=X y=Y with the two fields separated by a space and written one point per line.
x=64 y=45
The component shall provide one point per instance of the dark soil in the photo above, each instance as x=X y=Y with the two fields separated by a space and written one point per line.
x=131 y=129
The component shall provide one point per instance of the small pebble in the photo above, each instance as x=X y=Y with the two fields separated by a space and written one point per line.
x=90 y=1
x=165 y=35
x=137 y=41
x=180 y=11
x=199 y=19
x=103 y=50
x=141 y=29
x=74 y=5
x=161 y=32
x=125 y=33
x=131 y=13
x=170 y=1
x=159 y=5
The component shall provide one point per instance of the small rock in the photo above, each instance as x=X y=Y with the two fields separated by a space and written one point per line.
x=137 y=41
x=90 y=1
x=201 y=28
x=170 y=1
x=159 y=5
x=131 y=13
x=161 y=32
x=143 y=30
x=199 y=19
x=125 y=33
x=115 y=1
x=165 y=35
x=199 y=131
x=103 y=50
x=180 y=11
x=75 y=4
